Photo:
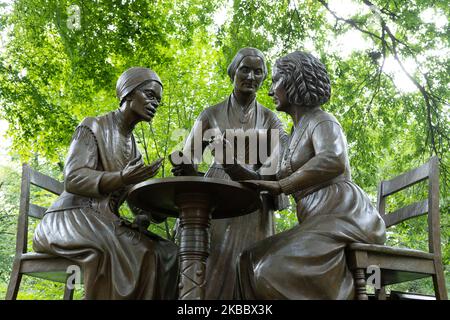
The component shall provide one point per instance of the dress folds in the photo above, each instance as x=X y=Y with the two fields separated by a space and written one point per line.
x=83 y=225
x=308 y=261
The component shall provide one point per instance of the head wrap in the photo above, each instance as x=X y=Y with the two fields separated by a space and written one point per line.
x=245 y=52
x=132 y=78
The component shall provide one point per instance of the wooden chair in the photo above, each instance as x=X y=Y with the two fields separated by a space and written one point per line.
x=34 y=264
x=399 y=264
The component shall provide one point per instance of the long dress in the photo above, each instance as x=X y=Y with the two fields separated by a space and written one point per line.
x=308 y=261
x=230 y=236
x=83 y=225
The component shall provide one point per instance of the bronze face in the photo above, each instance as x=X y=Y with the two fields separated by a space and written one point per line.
x=277 y=91
x=145 y=100
x=249 y=75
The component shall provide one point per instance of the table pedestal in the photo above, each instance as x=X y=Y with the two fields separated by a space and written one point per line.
x=195 y=200
x=195 y=220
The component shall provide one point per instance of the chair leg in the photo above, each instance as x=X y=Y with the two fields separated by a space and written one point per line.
x=360 y=284
x=68 y=293
x=380 y=294
x=439 y=283
x=14 y=282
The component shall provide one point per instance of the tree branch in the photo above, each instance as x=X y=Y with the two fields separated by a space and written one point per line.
x=430 y=99
x=349 y=21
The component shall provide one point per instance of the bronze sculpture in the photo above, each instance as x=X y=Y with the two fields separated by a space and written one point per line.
x=240 y=110
x=308 y=261
x=84 y=225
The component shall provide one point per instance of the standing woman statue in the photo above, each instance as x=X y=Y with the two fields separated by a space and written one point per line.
x=308 y=261
x=240 y=110
x=83 y=225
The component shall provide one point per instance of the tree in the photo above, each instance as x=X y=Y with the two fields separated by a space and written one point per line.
x=54 y=72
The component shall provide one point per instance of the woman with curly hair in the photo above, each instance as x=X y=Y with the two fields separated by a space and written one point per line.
x=308 y=261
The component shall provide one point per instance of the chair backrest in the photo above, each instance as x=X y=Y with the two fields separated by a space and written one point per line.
x=430 y=171
x=32 y=177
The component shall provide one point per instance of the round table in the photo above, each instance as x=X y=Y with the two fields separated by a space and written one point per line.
x=195 y=200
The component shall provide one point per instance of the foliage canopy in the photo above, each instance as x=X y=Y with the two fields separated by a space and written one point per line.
x=53 y=75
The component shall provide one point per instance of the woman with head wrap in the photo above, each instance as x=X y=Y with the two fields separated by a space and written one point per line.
x=238 y=111
x=83 y=225
x=308 y=261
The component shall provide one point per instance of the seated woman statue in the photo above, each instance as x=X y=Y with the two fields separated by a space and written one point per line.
x=308 y=261
x=84 y=225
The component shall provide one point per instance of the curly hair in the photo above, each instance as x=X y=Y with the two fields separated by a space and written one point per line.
x=306 y=80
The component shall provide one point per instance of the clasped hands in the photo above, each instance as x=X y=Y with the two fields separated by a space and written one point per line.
x=272 y=187
x=221 y=142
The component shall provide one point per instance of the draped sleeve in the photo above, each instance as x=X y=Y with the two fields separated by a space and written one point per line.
x=328 y=162
x=80 y=172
